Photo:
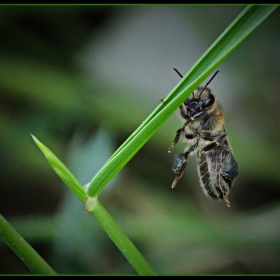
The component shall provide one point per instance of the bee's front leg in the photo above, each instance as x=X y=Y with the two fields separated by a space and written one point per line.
x=181 y=130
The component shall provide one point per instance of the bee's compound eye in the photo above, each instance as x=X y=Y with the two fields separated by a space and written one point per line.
x=210 y=101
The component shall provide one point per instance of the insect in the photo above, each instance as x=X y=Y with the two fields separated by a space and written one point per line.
x=204 y=132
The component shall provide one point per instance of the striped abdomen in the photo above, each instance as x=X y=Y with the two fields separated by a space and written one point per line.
x=212 y=165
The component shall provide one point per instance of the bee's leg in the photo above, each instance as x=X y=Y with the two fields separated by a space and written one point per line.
x=180 y=163
x=224 y=188
x=177 y=136
x=181 y=130
x=178 y=167
x=226 y=200
x=229 y=172
x=183 y=113
x=225 y=193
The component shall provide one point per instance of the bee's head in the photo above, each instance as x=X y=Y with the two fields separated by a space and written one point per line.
x=200 y=101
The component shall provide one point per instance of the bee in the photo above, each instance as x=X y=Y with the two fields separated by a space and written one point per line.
x=204 y=132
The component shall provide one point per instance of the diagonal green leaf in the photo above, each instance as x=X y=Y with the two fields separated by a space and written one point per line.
x=23 y=250
x=233 y=35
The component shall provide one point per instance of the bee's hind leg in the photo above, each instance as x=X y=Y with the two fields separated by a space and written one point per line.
x=180 y=163
x=178 y=167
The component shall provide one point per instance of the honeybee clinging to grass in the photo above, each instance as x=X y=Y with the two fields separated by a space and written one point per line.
x=204 y=132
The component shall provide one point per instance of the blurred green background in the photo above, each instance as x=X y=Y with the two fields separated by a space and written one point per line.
x=81 y=79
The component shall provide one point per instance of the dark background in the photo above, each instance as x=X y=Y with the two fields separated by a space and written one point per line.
x=82 y=79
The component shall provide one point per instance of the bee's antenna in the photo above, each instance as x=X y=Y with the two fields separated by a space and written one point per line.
x=180 y=76
x=208 y=83
x=178 y=72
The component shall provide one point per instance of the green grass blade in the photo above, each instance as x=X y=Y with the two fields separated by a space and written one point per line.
x=23 y=250
x=126 y=247
x=61 y=170
x=236 y=32
x=120 y=239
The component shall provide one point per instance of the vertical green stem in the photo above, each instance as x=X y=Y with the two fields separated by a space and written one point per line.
x=120 y=239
